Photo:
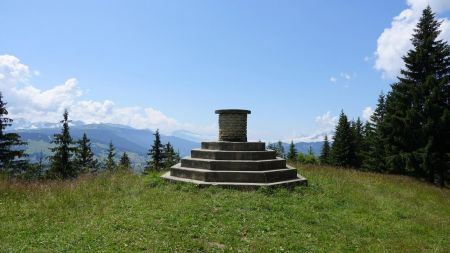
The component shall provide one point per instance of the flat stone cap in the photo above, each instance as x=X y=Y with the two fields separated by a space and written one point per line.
x=233 y=111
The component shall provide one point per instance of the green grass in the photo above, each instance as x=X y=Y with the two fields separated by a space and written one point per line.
x=341 y=210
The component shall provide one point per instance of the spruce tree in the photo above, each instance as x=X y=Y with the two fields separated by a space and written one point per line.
x=125 y=163
x=436 y=153
x=417 y=108
x=279 y=148
x=170 y=157
x=325 y=154
x=61 y=164
x=367 y=148
x=373 y=150
x=292 y=154
x=342 y=151
x=358 y=138
x=10 y=152
x=39 y=166
x=310 y=151
x=110 y=163
x=271 y=146
x=155 y=154
x=84 y=157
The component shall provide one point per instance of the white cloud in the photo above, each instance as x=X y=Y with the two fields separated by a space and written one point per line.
x=60 y=96
x=367 y=112
x=395 y=42
x=135 y=116
x=436 y=5
x=35 y=105
x=326 y=120
x=346 y=76
x=325 y=125
x=343 y=76
x=12 y=71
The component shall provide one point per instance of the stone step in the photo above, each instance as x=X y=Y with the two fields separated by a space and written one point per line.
x=234 y=146
x=234 y=165
x=285 y=183
x=267 y=176
x=233 y=155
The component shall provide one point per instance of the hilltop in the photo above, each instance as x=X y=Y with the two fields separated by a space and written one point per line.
x=341 y=210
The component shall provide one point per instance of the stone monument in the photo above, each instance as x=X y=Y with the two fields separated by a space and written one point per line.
x=234 y=162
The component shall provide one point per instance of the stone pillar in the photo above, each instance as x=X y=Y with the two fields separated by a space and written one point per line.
x=233 y=125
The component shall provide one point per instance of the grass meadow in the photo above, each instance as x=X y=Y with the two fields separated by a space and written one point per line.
x=340 y=210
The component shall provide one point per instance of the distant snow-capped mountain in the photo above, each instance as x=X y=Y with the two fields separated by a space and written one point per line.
x=136 y=142
x=25 y=124
x=191 y=136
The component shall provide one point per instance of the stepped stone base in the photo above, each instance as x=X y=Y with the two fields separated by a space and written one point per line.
x=286 y=183
x=234 y=146
x=236 y=165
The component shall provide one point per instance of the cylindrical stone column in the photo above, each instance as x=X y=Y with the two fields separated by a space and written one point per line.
x=233 y=125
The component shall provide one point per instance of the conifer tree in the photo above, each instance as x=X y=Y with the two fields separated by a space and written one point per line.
x=277 y=147
x=280 y=149
x=310 y=151
x=436 y=153
x=110 y=163
x=125 y=163
x=170 y=156
x=325 y=154
x=367 y=147
x=10 y=152
x=358 y=138
x=84 y=157
x=61 y=164
x=417 y=108
x=39 y=166
x=271 y=146
x=292 y=154
x=373 y=150
x=156 y=154
x=342 y=151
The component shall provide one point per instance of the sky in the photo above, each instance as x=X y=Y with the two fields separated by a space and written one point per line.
x=171 y=64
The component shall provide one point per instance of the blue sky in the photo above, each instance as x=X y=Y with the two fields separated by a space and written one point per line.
x=170 y=64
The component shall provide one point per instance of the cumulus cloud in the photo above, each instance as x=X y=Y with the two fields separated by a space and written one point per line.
x=12 y=71
x=326 y=120
x=138 y=117
x=325 y=125
x=395 y=42
x=26 y=101
x=367 y=113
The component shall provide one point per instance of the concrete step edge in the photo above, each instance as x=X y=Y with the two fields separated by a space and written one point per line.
x=233 y=171
x=245 y=161
x=299 y=179
x=232 y=151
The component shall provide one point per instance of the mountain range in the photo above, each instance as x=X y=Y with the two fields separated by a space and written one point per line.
x=136 y=142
